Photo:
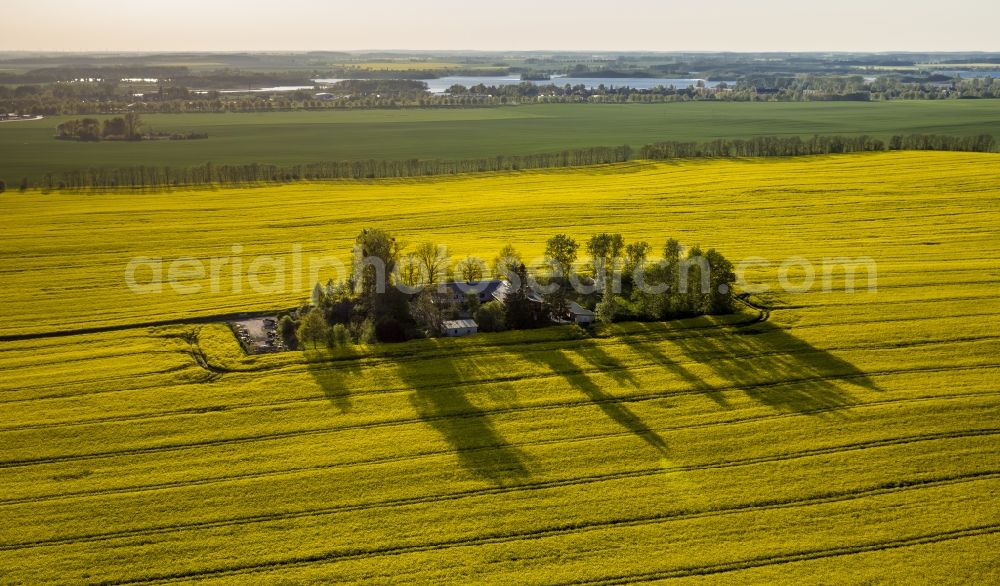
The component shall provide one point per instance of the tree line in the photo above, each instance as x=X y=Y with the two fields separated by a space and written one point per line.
x=175 y=95
x=143 y=177
x=781 y=146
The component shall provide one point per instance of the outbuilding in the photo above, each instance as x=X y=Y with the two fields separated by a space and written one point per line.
x=459 y=291
x=459 y=327
x=581 y=315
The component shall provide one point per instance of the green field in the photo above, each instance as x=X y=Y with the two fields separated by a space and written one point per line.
x=289 y=138
x=849 y=438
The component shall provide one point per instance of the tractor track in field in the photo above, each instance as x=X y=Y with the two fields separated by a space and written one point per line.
x=800 y=556
x=884 y=487
x=556 y=344
x=543 y=442
x=578 y=527
x=459 y=415
x=632 y=366
x=633 y=398
x=763 y=313
x=334 y=364
x=91 y=381
x=182 y=321
x=440 y=453
x=199 y=357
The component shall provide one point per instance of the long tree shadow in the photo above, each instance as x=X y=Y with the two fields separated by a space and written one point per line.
x=440 y=400
x=335 y=375
x=655 y=354
x=770 y=365
x=558 y=361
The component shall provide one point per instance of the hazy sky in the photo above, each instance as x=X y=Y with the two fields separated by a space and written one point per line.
x=664 y=25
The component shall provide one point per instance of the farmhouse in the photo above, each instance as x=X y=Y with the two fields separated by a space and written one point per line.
x=457 y=291
x=459 y=327
x=504 y=289
x=539 y=308
x=459 y=301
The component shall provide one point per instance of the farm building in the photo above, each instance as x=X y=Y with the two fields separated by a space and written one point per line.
x=539 y=309
x=504 y=289
x=575 y=312
x=581 y=315
x=459 y=327
x=457 y=291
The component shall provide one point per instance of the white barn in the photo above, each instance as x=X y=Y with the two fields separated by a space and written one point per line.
x=459 y=327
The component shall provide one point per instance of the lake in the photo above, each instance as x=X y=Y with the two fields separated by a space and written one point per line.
x=969 y=73
x=439 y=85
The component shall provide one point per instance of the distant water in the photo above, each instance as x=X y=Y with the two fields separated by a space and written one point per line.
x=280 y=88
x=969 y=73
x=638 y=83
x=439 y=85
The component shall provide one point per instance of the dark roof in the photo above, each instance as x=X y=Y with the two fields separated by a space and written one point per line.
x=483 y=288
x=505 y=289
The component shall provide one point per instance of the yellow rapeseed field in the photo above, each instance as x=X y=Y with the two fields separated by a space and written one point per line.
x=850 y=437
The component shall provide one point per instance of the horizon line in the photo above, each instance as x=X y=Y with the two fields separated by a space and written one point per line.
x=435 y=51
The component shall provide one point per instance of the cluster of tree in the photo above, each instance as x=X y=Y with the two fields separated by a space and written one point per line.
x=395 y=294
x=127 y=127
x=367 y=87
x=857 y=88
x=621 y=282
x=141 y=177
x=362 y=310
